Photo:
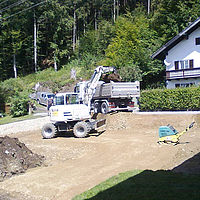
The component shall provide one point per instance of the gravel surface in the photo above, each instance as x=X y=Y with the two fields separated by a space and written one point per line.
x=23 y=126
x=119 y=122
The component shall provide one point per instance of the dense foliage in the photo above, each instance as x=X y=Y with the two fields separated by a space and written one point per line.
x=170 y=99
x=19 y=105
x=120 y=32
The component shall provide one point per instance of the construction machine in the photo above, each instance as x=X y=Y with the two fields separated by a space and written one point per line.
x=168 y=134
x=71 y=113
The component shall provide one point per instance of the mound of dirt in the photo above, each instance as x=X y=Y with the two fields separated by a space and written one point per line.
x=16 y=158
x=111 y=77
x=118 y=121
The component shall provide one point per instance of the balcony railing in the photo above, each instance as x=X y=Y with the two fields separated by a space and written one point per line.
x=183 y=73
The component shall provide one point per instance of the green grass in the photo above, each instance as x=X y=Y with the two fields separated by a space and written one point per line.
x=9 y=119
x=146 y=185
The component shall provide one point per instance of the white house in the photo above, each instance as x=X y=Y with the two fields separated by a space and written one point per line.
x=181 y=56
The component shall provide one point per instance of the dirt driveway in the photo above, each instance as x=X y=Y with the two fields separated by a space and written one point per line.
x=74 y=165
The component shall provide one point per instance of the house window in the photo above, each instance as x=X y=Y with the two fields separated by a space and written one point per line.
x=197 y=41
x=184 y=64
x=184 y=84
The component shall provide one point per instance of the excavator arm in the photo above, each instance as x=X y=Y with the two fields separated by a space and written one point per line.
x=92 y=84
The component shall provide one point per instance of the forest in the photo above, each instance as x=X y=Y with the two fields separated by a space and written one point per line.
x=40 y=34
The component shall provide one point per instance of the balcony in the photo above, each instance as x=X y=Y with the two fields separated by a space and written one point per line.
x=183 y=73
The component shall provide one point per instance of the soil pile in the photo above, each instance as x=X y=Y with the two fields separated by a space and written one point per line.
x=16 y=158
x=111 y=77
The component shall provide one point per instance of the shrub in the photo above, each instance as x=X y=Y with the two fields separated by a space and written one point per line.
x=2 y=100
x=170 y=99
x=19 y=104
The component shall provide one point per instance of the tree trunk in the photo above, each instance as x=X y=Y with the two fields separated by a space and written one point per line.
x=95 y=19
x=149 y=6
x=55 y=63
x=14 y=66
x=35 y=43
x=118 y=4
x=114 y=10
x=74 y=32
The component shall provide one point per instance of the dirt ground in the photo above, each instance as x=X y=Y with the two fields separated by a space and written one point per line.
x=74 y=165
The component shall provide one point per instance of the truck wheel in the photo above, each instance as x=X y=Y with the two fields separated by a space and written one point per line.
x=48 y=131
x=96 y=108
x=81 y=129
x=104 y=108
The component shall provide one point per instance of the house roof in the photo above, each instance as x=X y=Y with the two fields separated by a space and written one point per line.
x=162 y=52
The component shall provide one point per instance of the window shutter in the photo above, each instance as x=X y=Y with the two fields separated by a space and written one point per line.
x=176 y=63
x=191 y=64
x=197 y=41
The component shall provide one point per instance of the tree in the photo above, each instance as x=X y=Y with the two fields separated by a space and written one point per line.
x=132 y=46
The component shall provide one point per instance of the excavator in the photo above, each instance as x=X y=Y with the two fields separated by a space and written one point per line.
x=69 y=113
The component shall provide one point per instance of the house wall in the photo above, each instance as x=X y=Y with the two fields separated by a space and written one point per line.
x=171 y=84
x=184 y=50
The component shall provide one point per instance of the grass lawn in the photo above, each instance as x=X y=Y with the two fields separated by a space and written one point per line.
x=9 y=119
x=146 y=185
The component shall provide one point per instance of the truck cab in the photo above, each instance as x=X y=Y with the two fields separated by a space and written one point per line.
x=66 y=98
x=67 y=107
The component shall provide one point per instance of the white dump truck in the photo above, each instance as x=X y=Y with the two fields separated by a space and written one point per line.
x=112 y=96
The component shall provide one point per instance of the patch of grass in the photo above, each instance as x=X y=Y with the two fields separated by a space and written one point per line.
x=143 y=185
x=9 y=119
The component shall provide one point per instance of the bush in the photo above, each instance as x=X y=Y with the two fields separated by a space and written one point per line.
x=19 y=104
x=170 y=99
x=2 y=100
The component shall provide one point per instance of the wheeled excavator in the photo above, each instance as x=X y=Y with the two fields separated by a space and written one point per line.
x=74 y=114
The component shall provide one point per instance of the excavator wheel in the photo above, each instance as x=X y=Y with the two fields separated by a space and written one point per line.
x=81 y=129
x=49 y=131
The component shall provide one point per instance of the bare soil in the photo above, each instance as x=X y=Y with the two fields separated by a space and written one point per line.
x=16 y=158
x=74 y=165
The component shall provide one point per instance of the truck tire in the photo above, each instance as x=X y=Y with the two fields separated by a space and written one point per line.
x=97 y=108
x=81 y=129
x=49 y=131
x=104 y=108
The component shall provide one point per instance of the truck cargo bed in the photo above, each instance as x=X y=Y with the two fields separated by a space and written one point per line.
x=117 y=90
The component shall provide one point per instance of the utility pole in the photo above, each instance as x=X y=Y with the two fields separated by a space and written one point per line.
x=35 y=43
x=149 y=6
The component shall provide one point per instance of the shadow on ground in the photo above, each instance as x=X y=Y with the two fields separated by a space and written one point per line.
x=69 y=134
x=158 y=185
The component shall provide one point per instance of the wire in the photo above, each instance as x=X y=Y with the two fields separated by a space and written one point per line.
x=13 y=5
x=22 y=10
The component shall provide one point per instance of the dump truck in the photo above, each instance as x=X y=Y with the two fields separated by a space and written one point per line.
x=113 y=96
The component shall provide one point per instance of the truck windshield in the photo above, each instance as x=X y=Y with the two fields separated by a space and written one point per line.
x=59 y=100
x=66 y=99
x=71 y=99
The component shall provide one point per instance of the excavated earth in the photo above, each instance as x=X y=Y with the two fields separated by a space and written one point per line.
x=74 y=165
x=16 y=158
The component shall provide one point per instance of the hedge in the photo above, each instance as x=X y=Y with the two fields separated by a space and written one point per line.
x=178 y=99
